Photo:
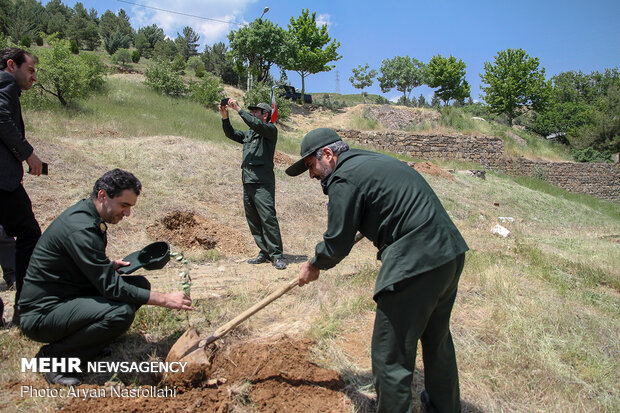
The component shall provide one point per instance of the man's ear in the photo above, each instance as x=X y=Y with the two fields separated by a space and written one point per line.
x=328 y=154
x=11 y=66
x=102 y=195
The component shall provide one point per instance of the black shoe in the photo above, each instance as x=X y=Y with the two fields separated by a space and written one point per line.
x=279 y=263
x=258 y=260
x=426 y=401
x=62 y=379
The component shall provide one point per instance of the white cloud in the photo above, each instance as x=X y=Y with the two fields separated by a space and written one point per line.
x=324 y=18
x=213 y=30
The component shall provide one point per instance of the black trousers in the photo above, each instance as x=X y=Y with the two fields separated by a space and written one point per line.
x=82 y=326
x=18 y=220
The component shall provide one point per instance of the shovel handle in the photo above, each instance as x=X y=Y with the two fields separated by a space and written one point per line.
x=223 y=330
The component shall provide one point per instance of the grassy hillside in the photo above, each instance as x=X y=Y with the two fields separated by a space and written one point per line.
x=536 y=322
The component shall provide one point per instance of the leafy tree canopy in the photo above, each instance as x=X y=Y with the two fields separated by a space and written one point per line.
x=403 y=73
x=362 y=78
x=515 y=81
x=309 y=47
x=448 y=74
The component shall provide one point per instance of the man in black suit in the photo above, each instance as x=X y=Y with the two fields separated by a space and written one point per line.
x=17 y=73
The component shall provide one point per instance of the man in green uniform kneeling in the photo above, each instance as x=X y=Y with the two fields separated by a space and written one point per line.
x=73 y=297
x=422 y=254
x=259 y=181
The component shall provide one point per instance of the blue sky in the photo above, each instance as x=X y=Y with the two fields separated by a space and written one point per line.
x=565 y=35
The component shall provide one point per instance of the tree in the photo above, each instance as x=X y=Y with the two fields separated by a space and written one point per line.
x=362 y=78
x=161 y=77
x=448 y=74
x=309 y=47
x=403 y=73
x=515 y=82
x=67 y=76
x=165 y=50
x=208 y=91
x=187 y=44
x=115 y=41
x=260 y=44
x=24 y=19
x=422 y=101
x=146 y=39
x=121 y=57
x=220 y=63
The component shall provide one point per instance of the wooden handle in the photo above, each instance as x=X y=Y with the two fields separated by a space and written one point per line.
x=223 y=330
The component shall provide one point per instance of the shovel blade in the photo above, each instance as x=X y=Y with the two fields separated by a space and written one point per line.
x=187 y=344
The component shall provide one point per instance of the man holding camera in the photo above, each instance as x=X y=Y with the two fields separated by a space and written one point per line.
x=259 y=182
x=17 y=73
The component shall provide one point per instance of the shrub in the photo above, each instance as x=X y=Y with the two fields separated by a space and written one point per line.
x=161 y=77
x=208 y=91
x=135 y=56
x=121 y=57
x=591 y=155
x=39 y=40
x=200 y=71
x=74 y=47
x=25 y=41
x=66 y=76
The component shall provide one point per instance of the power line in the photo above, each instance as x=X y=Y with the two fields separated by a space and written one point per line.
x=182 y=14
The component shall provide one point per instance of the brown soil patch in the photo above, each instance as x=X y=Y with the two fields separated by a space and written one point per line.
x=282 y=159
x=190 y=230
x=265 y=377
x=430 y=168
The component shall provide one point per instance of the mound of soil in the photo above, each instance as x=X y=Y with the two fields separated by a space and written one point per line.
x=190 y=230
x=282 y=159
x=265 y=377
x=430 y=168
x=400 y=118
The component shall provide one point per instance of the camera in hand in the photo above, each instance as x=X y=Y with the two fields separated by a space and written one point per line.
x=224 y=102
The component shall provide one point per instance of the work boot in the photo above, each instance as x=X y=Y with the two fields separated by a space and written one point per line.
x=62 y=379
x=258 y=260
x=279 y=263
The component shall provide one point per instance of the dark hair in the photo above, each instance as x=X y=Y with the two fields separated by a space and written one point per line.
x=15 y=54
x=116 y=181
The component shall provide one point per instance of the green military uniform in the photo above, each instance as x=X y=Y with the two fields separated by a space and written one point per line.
x=259 y=182
x=72 y=296
x=422 y=255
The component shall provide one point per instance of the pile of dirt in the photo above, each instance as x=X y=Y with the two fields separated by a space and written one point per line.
x=430 y=168
x=266 y=377
x=400 y=118
x=282 y=159
x=190 y=230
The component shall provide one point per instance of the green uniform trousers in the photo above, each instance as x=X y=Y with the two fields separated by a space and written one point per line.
x=417 y=308
x=82 y=326
x=260 y=212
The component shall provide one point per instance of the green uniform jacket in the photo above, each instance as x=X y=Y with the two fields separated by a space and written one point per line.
x=259 y=146
x=393 y=206
x=70 y=261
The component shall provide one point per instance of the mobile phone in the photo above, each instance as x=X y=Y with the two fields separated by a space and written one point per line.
x=224 y=102
x=43 y=168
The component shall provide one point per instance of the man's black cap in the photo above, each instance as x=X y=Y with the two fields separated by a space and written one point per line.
x=152 y=257
x=262 y=106
x=314 y=140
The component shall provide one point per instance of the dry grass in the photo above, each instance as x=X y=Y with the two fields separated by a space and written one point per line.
x=536 y=322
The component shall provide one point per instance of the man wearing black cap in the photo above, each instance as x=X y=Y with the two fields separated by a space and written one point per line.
x=259 y=182
x=73 y=296
x=422 y=254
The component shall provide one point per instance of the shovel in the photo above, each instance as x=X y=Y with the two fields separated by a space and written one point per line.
x=191 y=348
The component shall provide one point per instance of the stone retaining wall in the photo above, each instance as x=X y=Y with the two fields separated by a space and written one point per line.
x=598 y=179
